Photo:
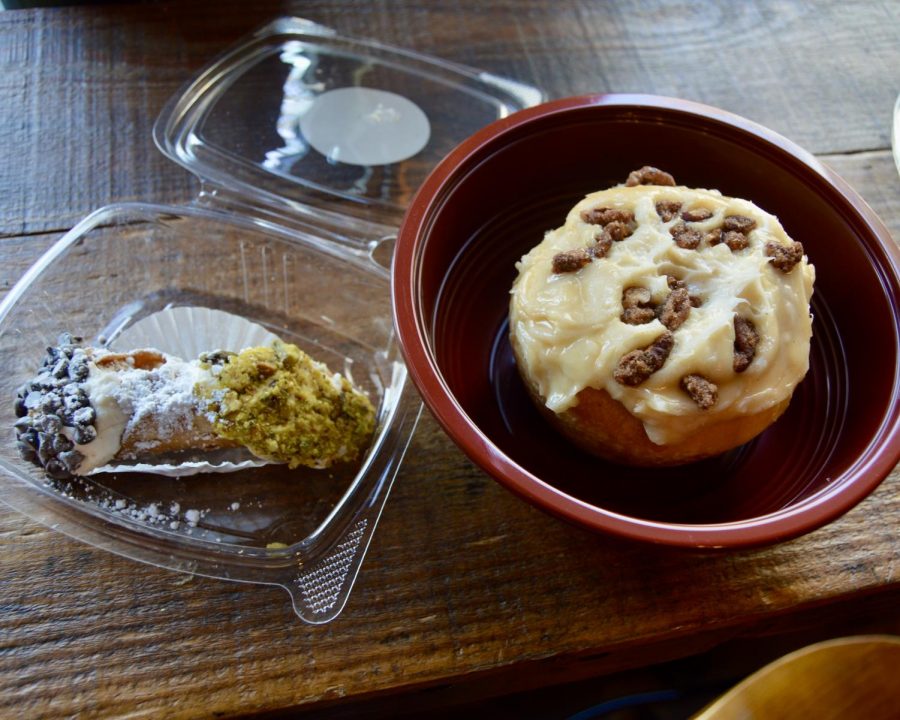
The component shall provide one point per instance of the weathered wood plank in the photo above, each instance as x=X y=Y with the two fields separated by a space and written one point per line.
x=82 y=88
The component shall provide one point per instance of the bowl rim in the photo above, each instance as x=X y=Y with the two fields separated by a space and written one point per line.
x=873 y=464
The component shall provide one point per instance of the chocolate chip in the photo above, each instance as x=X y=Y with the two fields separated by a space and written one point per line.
x=61 y=369
x=45 y=381
x=61 y=444
x=49 y=423
x=71 y=459
x=84 y=434
x=51 y=403
x=649 y=175
x=45 y=448
x=79 y=371
x=33 y=399
x=87 y=415
x=55 y=469
x=26 y=451
x=73 y=403
x=21 y=410
x=30 y=437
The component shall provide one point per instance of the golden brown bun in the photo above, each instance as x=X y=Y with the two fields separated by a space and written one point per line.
x=602 y=426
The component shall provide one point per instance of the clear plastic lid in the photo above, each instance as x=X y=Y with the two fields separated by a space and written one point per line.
x=308 y=145
x=325 y=127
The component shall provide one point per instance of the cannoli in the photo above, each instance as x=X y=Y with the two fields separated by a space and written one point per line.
x=90 y=408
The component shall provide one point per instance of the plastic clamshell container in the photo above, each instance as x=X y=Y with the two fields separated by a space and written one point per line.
x=292 y=230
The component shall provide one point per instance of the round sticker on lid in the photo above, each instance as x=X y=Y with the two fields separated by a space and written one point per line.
x=362 y=126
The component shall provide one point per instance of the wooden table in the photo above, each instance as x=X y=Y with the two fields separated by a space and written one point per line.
x=467 y=591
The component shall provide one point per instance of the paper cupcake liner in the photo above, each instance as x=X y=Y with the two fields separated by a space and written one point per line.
x=186 y=332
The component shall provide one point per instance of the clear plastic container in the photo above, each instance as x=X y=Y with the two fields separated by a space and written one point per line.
x=308 y=146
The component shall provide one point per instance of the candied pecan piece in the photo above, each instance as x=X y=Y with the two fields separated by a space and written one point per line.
x=636 y=366
x=605 y=215
x=735 y=240
x=685 y=237
x=668 y=209
x=636 y=307
x=696 y=214
x=676 y=284
x=714 y=237
x=603 y=242
x=648 y=175
x=571 y=261
x=739 y=223
x=617 y=230
x=675 y=309
x=746 y=338
x=702 y=391
x=784 y=257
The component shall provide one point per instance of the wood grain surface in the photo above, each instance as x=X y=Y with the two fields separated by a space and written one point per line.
x=467 y=591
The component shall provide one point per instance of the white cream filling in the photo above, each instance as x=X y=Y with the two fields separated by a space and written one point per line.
x=570 y=336
x=125 y=398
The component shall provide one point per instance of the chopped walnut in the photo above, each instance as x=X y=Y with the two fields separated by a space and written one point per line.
x=746 y=338
x=571 y=261
x=648 y=175
x=696 y=215
x=605 y=215
x=735 y=240
x=636 y=306
x=675 y=309
x=739 y=223
x=668 y=209
x=685 y=237
x=637 y=365
x=784 y=257
x=702 y=391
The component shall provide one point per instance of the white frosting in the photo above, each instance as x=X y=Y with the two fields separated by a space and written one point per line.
x=569 y=334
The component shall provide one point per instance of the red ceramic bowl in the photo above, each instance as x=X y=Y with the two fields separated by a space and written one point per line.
x=492 y=199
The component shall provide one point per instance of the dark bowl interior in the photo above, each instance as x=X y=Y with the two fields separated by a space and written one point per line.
x=492 y=201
